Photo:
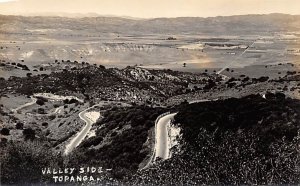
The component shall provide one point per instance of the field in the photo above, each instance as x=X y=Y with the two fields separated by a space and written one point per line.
x=193 y=53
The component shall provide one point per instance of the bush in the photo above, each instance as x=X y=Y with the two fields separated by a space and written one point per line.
x=101 y=67
x=73 y=101
x=22 y=163
x=5 y=131
x=19 y=125
x=41 y=111
x=52 y=117
x=211 y=84
x=29 y=134
x=40 y=102
x=45 y=124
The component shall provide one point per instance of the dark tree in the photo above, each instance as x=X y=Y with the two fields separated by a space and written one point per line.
x=19 y=125
x=41 y=111
x=40 y=102
x=101 y=66
x=5 y=131
x=29 y=134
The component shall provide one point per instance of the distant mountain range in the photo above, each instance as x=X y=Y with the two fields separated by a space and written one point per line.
x=229 y=25
x=75 y=15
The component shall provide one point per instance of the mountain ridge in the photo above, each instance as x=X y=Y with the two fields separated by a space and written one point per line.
x=244 y=24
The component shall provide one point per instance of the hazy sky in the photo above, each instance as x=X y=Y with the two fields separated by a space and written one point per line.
x=152 y=8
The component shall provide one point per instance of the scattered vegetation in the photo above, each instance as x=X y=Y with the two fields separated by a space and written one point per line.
x=251 y=140
x=22 y=162
x=120 y=141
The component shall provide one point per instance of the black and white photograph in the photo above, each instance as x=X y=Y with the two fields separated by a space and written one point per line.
x=149 y=92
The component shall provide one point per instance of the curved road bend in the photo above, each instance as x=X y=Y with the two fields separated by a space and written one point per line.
x=47 y=96
x=161 y=137
x=25 y=105
x=83 y=133
x=161 y=134
x=83 y=115
x=161 y=148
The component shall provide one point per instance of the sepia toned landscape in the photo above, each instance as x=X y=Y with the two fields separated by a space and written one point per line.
x=152 y=101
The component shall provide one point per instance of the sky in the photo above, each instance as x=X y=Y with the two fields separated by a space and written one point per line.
x=151 y=8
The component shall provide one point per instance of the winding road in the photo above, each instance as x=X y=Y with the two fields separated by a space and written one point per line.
x=56 y=97
x=25 y=105
x=162 y=140
x=89 y=118
x=162 y=137
x=162 y=143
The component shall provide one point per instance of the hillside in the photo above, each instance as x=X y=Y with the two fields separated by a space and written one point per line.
x=213 y=133
x=251 y=140
x=131 y=84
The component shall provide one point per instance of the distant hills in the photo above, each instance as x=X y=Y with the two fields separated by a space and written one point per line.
x=75 y=15
x=242 y=24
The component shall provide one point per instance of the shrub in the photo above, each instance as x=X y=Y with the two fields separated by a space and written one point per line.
x=5 y=131
x=73 y=101
x=52 y=117
x=22 y=162
x=41 y=111
x=45 y=124
x=101 y=66
x=40 y=102
x=29 y=134
x=19 y=125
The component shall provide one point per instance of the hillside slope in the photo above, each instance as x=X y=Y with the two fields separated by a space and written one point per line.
x=251 y=140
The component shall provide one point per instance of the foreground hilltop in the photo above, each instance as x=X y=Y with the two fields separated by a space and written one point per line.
x=131 y=101
x=251 y=140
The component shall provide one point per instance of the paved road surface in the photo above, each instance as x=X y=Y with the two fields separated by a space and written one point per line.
x=25 y=105
x=83 y=133
x=161 y=137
